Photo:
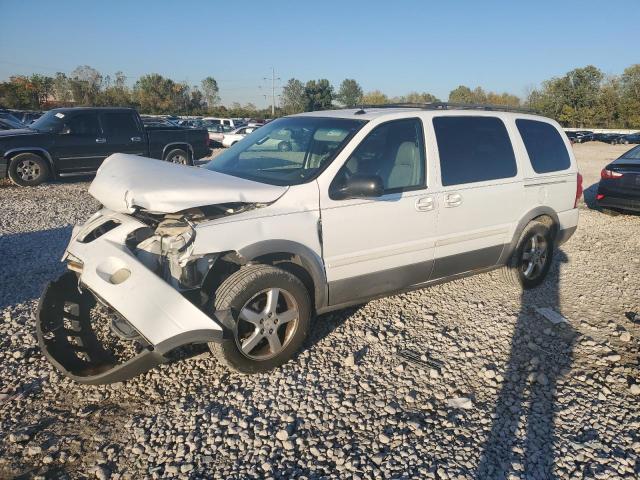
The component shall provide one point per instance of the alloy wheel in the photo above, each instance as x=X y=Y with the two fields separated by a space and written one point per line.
x=534 y=256
x=267 y=323
x=28 y=170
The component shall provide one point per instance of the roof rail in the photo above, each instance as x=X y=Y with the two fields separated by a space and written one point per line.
x=452 y=106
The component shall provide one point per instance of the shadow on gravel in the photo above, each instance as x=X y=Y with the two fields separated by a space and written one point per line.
x=29 y=261
x=522 y=435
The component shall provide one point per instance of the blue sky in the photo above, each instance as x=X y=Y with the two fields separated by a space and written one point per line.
x=395 y=46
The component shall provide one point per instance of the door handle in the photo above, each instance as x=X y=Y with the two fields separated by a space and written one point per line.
x=425 y=204
x=452 y=200
x=101 y=140
x=136 y=139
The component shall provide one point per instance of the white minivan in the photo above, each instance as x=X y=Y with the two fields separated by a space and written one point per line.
x=363 y=203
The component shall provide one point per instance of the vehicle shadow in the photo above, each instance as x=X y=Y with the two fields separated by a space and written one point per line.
x=29 y=261
x=521 y=440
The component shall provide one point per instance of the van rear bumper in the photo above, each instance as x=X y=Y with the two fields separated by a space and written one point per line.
x=568 y=225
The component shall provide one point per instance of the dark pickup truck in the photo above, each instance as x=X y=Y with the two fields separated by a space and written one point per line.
x=75 y=141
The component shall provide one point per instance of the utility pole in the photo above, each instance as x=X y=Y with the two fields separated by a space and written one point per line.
x=273 y=90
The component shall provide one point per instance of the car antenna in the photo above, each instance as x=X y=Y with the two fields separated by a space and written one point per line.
x=360 y=111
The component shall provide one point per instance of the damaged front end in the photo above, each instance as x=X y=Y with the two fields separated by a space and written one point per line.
x=132 y=278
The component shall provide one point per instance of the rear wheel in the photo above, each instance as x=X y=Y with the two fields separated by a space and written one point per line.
x=28 y=170
x=177 y=155
x=271 y=313
x=531 y=260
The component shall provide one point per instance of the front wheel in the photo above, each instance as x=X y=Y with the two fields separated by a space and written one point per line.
x=271 y=313
x=531 y=260
x=28 y=170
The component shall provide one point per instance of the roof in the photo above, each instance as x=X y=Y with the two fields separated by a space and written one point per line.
x=74 y=109
x=374 y=112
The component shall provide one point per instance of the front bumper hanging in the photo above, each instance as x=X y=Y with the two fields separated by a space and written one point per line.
x=68 y=340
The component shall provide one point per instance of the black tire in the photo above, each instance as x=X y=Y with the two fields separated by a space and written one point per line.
x=177 y=155
x=284 y=146
x=626 y=142
x=28 y=170
x=514 y=272
x=236 y=293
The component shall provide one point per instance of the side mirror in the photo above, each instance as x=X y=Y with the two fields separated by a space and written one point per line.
x=359 y=186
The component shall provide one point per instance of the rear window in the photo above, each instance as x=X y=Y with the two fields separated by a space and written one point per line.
x=634 y=153
x=545 y=147
x=473 y=149
x=119 y=123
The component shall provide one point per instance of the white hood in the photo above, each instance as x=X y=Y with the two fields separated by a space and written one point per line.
x=124 y=182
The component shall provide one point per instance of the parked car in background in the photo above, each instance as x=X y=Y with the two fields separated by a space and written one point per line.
x=75 y=141
x=619 y=187
x=606 y=137
x=236 y=135
x=629 y=138
x=217 y=132
x=228 y=122
x=9 y=123
x=4 y=125
x=11 y=119
x=585 y=137
x=243 y=253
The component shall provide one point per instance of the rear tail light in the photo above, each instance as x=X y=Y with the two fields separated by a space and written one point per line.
x=609 y=174
x=599 y=196
x=578 y=190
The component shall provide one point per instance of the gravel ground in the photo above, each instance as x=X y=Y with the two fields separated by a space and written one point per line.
x=463 y=380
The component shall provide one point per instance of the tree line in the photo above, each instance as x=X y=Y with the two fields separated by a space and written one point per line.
x=583 y=97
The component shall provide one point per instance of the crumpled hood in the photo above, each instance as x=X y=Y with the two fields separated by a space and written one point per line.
x=124 y=182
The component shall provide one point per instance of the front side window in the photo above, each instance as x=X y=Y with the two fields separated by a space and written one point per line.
x=119 y=123
x=394 y=151
x=544 y=145
x=287 y=151
x=82 y=124
x=473 y=149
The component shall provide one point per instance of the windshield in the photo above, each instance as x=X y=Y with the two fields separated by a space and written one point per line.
x=49 y=122
x=288 y=151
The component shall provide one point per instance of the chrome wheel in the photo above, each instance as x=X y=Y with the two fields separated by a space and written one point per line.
x=28 y=170
x=178 y=158
x=534 y=256
x=267 y=323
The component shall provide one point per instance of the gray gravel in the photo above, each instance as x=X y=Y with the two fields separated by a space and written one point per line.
x=515 y=396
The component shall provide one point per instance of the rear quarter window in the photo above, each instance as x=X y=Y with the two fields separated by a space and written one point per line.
x=473 y=149
x=544 y=145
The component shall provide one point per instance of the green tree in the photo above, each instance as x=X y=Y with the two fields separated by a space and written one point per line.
x=210 y=91
x=319 y=95
x=85 y=85
x=350 y=93
x=293 y=97
x=630 y=97
x=157 y=94
x=375 y=97
x=415 y=97
x=461 y=94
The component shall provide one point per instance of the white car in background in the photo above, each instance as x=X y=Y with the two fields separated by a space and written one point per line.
x=228 y=122
x=218 y=131
x=236 y=135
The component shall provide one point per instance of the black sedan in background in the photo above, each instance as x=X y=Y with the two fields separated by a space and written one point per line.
x=619 y=187
x=630 y=138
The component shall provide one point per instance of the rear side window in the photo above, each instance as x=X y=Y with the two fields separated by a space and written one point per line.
x=473 y=149
x=119 y=123
x=545 y=147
